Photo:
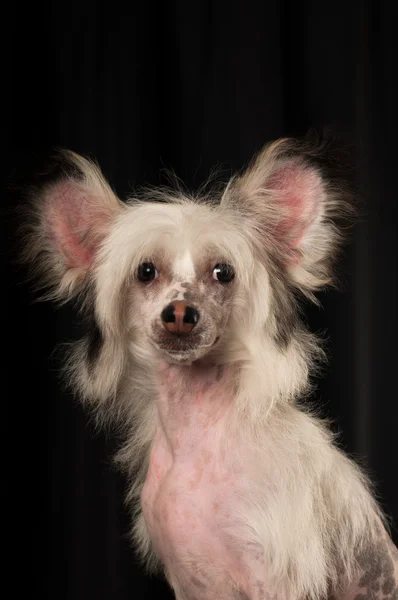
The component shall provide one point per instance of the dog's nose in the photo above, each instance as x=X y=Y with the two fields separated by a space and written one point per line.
x=179 y=318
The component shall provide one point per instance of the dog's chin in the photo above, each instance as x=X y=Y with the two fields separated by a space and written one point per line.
x=180 y=358
x=183 y=357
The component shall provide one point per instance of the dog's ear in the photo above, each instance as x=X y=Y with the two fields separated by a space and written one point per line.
x=294 y=197
x=66 y=221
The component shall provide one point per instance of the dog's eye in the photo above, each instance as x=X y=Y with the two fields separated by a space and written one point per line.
x=147 y=272
x=223 y=273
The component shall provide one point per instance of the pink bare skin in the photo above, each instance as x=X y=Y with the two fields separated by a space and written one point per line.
x=198 y=472
x=192 y=488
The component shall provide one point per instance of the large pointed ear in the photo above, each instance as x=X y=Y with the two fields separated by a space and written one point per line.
x=297 y=202
x=66 y=222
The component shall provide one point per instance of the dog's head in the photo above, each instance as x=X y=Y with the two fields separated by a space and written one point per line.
x=184 y=277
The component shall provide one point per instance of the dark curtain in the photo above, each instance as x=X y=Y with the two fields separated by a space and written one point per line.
x=185 y=85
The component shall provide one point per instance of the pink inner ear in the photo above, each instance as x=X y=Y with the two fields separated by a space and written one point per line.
x=74 y=220
x=298 y=191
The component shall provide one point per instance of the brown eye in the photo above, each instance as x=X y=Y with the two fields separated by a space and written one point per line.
x=147 y=272
x=223 y=273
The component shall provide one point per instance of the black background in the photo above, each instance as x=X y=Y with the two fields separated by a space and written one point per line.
x=186 y=85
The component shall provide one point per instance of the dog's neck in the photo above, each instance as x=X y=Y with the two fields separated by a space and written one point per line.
x=252 y=377
x=192 y=400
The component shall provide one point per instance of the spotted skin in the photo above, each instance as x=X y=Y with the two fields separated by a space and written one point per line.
x=378 y=573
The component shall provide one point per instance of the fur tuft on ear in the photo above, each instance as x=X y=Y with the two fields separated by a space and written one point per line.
x=297 y=205
x=67 y=221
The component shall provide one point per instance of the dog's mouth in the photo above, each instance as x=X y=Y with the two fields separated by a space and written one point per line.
x=183 y=349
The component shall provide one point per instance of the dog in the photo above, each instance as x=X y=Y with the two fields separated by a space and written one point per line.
x=196 y=349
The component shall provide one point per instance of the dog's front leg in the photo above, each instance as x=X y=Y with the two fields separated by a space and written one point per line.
x=378 y=576
x=173 y=583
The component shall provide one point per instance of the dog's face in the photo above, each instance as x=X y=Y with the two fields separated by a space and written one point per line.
x=182 y=278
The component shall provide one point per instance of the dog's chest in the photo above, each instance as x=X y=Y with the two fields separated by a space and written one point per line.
x=192 y=497
x=188 y=507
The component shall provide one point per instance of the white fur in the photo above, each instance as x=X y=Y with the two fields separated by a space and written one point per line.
x=183 y=266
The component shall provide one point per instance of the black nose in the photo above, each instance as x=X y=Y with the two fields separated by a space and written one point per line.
x=179 y=318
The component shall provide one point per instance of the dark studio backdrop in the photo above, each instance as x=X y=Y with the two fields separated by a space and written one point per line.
x=186 y=85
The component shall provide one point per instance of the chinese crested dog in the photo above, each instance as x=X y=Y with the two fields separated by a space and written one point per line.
x=197 y=351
